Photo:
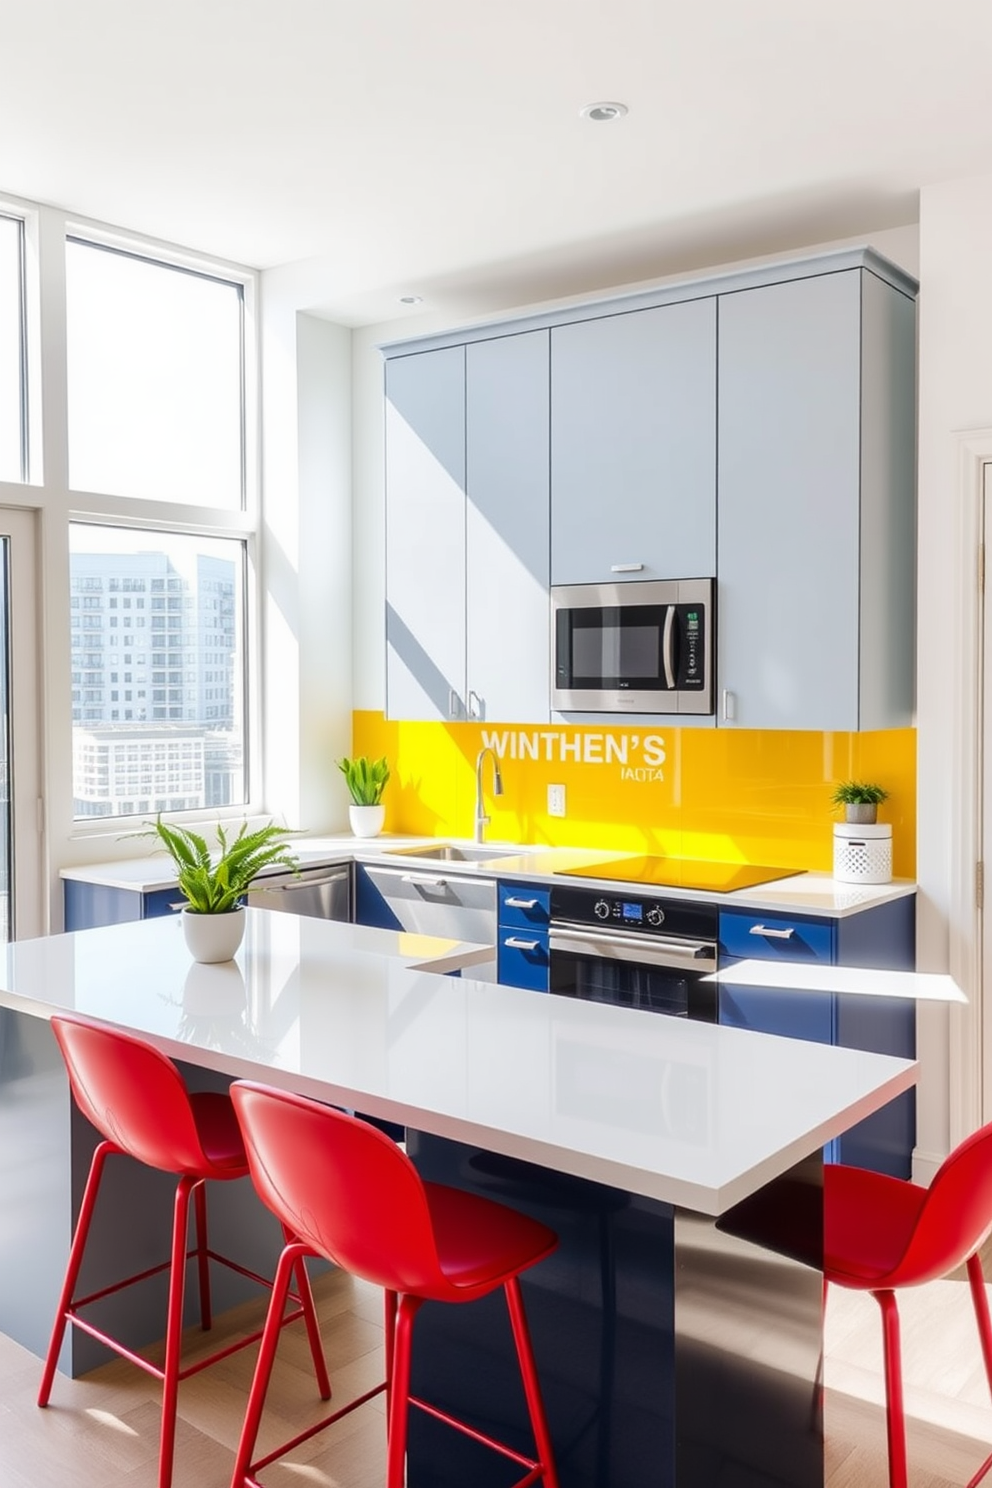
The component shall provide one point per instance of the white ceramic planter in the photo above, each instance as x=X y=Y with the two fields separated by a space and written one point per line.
x=213 y=937
x=863 y=854
x=366 y=821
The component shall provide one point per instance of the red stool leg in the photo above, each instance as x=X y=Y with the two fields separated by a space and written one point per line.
x=100 y=1156
x=202 y=1259
x=532 y=1388
x=310 y=1318
x=980 y=1300
x=895 y=1415
x=263 y=1365
x=389 y=1308
x=174 y=1330
x=399 y=1391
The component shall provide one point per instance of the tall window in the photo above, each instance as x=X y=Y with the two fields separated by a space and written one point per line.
x=155 y=379
x=158 y=653
x=13 y=411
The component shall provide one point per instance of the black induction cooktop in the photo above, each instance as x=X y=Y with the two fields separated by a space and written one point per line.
x=683 y=873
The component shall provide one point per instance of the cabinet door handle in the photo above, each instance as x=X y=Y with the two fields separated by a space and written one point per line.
x=515 y=944
x=478 y=708
x=453 y=701
x=772 y=934
x=729 y=706
x=425 y=880
x=520 y=903
x=626 y=568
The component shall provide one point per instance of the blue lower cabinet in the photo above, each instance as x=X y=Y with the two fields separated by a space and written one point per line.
x=370 y=905
x=86 y=905
x=881 y=937
x=809 y=1015
x=522 y=950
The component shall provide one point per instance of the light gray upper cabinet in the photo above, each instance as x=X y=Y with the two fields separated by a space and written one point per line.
x=508 y=631
x=633 y=445
x=425 y=535
x=467 y=532
x=816 y=563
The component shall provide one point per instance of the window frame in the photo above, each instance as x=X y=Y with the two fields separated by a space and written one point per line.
x=19 y=218
x=53 y=837
x=149 y=515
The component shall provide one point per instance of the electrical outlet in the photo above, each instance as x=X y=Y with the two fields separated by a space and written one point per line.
x=556 y=800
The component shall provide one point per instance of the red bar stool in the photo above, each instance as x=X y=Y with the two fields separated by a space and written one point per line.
x=882 y=1233
x=351 y=1195
x=136 y=1098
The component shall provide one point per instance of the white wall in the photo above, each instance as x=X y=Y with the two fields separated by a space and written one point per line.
x=306 y=553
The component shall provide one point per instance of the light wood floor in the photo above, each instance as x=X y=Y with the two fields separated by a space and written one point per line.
x=102 y=1431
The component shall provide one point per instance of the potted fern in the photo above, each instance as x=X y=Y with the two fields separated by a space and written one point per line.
x=366 y=780
x=860 y=800
x=215 y=881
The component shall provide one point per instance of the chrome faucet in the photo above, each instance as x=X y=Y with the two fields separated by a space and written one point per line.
x=481 y=819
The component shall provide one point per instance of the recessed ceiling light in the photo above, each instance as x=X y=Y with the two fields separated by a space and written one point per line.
x=411 y=299
x=603 y=113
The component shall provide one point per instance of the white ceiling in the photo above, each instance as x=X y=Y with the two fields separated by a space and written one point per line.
x=414 y=145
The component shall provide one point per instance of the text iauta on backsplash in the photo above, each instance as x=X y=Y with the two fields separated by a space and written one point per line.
x=640 y=756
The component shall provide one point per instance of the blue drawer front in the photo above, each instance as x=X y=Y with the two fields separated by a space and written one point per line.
x=160 y=903
x=792 y=939
x=524 y=906
x=524 y=964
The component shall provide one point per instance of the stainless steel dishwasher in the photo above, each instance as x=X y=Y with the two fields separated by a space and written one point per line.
x=455 y=906
x=323 y=892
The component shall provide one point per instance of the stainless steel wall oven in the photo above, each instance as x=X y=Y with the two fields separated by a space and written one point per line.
x=632 y=951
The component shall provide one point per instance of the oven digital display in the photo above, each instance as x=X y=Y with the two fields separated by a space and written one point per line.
x=632 y=911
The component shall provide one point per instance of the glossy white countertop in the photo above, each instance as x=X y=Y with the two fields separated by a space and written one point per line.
x=689 y=1113
x=803 y=893
x=811 y=976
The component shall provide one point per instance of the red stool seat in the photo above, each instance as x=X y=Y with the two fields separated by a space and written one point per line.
x=137 y=1099
x=881 y=1234
x=351 y=1195
x=219 y=1134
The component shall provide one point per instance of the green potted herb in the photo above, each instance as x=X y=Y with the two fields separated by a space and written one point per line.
x=860 y=800
x=366 y=780
x=214 y=881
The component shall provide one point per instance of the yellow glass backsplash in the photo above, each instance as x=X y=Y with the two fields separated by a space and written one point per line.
x=734 y=795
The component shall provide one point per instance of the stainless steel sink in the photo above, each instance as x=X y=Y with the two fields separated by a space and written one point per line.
x=454 y=852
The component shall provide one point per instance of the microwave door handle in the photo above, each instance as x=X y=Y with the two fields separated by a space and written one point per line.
x=667 y=647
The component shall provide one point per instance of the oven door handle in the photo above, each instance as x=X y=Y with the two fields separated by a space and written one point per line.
x=648 y=950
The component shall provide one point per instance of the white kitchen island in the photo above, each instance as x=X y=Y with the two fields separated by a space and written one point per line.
x=677 y=1335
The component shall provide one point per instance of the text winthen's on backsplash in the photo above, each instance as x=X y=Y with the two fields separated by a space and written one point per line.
x=729 y=794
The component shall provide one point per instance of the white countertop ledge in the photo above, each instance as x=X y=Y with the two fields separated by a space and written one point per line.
x=800 y=976
x=799 y=893
x=688 y=1113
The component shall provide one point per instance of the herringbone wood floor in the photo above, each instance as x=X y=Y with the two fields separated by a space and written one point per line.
x=102 y=1431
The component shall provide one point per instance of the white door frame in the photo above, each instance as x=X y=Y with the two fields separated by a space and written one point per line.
x=970 y=1060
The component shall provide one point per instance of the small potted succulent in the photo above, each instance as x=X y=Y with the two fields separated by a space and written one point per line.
x=214 y=882
x=860 y=800
x=366 y=780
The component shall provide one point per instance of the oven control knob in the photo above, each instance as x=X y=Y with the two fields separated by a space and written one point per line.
x=656 y=916
x=602 y=909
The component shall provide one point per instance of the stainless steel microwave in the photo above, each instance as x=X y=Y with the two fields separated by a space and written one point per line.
x=640 y=647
